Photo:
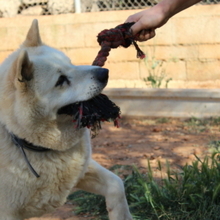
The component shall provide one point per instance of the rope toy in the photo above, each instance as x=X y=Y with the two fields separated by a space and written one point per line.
x=113 y=38
x=92 y=112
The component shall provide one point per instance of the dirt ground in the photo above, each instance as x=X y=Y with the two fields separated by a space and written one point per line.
x=138 y=140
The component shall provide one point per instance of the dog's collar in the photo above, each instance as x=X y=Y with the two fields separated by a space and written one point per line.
x=21 y=144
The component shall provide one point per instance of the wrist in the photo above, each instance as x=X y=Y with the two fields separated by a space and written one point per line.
x=164 y=9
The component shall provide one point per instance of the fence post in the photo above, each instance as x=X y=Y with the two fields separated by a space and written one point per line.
x=77 y=6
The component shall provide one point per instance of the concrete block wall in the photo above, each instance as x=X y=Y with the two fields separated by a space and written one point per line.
x=189 y=45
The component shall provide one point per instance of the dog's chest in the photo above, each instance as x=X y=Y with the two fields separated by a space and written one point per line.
x=57 y=178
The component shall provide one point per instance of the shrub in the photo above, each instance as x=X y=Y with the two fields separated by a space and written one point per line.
x=190 y=193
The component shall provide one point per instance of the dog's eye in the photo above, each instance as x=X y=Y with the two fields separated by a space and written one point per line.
x=61 y=80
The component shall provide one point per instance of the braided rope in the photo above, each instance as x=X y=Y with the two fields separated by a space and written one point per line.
x=92 y=112
x=113 y=38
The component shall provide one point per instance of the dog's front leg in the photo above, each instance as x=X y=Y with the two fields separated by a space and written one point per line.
x=101 y=181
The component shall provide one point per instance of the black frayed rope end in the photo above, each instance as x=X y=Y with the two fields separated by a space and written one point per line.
x=92 y=112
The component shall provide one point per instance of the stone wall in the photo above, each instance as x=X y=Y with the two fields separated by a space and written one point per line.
x=186 y=49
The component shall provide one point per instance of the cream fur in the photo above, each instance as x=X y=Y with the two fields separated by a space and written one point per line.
x=29 y=102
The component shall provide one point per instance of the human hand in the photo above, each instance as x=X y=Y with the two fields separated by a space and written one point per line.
x=146 y=22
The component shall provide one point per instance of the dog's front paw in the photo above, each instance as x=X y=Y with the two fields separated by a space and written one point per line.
x=120 y=216
x=120 y=212
x=116 y=202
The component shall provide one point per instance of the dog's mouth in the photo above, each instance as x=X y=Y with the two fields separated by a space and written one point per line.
x=92 y=112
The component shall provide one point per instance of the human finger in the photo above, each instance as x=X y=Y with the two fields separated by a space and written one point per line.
x=137 y=27
x=145 y=35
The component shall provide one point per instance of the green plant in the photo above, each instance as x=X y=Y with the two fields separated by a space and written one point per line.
x=190 y=193
x=196 y=125
x=162 y=120
x=157 y=73
x=202 y=124
x=216 y=120
x=193 y=121
x=215 y=146
x=93 y=205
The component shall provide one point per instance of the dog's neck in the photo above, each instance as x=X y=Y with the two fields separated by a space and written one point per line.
x=21 y=144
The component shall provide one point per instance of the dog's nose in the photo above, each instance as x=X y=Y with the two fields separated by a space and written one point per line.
x=102 y=75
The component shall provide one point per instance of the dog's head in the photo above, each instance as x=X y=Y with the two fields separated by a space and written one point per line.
x=39 y=81
x=50 y=74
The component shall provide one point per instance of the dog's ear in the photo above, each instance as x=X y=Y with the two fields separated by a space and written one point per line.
x=33 y=38
x=24 y=67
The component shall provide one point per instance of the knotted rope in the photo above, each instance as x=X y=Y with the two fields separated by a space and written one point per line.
x=91 y=113
x=113 y=38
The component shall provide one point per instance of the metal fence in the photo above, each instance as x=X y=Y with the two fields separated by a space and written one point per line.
x=50 y=7
x=110 y=5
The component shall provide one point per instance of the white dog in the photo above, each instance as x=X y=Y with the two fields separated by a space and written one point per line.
x=36 y=81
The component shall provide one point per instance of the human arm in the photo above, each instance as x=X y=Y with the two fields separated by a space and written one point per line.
x=150 y=19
